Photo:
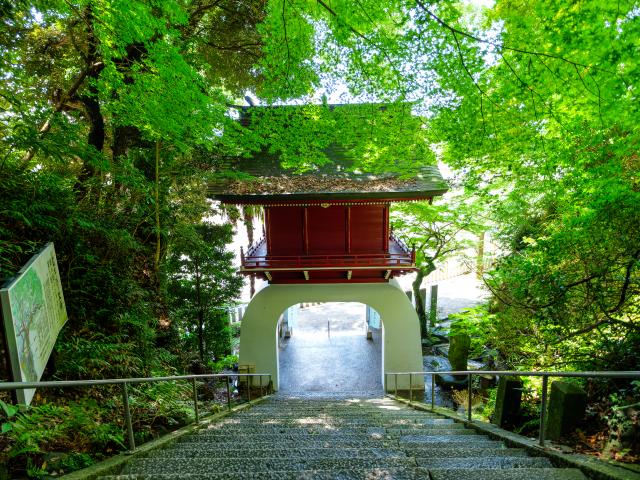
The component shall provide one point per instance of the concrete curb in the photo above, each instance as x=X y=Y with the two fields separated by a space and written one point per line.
x=114 y=464
x=591 y=467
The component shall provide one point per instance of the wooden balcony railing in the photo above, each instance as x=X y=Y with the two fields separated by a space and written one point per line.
x=257 y=258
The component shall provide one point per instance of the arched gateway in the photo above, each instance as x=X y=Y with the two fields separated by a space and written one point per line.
x=327 y=239
x=401 y=350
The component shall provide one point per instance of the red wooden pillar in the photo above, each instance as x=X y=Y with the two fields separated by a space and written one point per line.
x=385 y=229
x=267 y=211
x=348 y=229
x=305 y=231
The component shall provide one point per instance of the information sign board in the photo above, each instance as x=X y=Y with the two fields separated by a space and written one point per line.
x=34 y=313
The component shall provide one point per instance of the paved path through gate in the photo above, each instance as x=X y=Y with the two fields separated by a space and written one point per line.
x=342 y=360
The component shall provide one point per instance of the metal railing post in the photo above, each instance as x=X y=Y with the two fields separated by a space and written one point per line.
x=127 y=416
x=195 y=400
x=228 y=393
x=261 y=393
x=410 y=387
x=248 y=388
x=396 y=384
x=270 y=384
x=433 y=390
x=470 y=398
x=386 y=375
x=543 y=409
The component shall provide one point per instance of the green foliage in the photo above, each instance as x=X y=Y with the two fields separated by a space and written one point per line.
x=437 y=232
x=307 y=137
x=225 y=363
x=478 y=323
x=160 y=406
x=623 y=422
x=489 y=407
x=8 y=414
x=434 y=230
x=77 y=428
x=202 y=281
x=110 y=128
x=86 y=429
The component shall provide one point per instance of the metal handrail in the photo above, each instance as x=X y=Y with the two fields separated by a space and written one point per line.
x=125 y=382
x=507 y=373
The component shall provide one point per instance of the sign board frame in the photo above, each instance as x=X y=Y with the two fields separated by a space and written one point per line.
x=34 y=313
x=373 y=318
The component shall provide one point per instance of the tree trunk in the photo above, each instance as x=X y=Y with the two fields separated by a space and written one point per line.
x=420 y=306
x=157 y=199
x=201 y=334
x=247 y=217
x=200 y=312
x=480 y=257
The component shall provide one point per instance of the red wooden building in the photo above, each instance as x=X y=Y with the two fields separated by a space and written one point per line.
x=328 y=226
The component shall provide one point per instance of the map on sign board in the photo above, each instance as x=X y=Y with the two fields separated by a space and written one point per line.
x=34 y=312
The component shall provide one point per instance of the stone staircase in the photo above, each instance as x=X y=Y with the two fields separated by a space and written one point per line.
x=314 y=438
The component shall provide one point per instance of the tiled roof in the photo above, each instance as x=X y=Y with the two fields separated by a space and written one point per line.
x=264 y=179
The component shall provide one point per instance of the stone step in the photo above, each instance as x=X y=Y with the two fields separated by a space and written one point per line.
x=458 y=428
x=223 y=465
x=370 y=474
x=339 y=440
x=514 y=474
x=339 y=422
x=313 y=406
x=484 y=463
x=327 y=451
x=345 y=416
x=464 y=451
x=275 y=438
x=286 y=406
x=214 y=451
x=294 y=434
x=333 y=414
x=343 y=474
x=392 y=407
x=324 y=404
x=465 y=443
x=243 y=429
x=452 y=438
x=240 y=444
x=292 y=400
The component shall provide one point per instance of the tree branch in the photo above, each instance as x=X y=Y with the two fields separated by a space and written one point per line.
x=500 y=47
x=63 y=100
x=626 y=283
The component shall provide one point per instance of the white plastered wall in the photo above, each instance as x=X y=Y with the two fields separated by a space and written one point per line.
x=401 y=346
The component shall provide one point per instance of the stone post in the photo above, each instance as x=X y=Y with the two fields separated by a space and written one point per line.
x=567 y=406
x=409 y=294
x=459 y=351
x=508 y=399
x=433 y=306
